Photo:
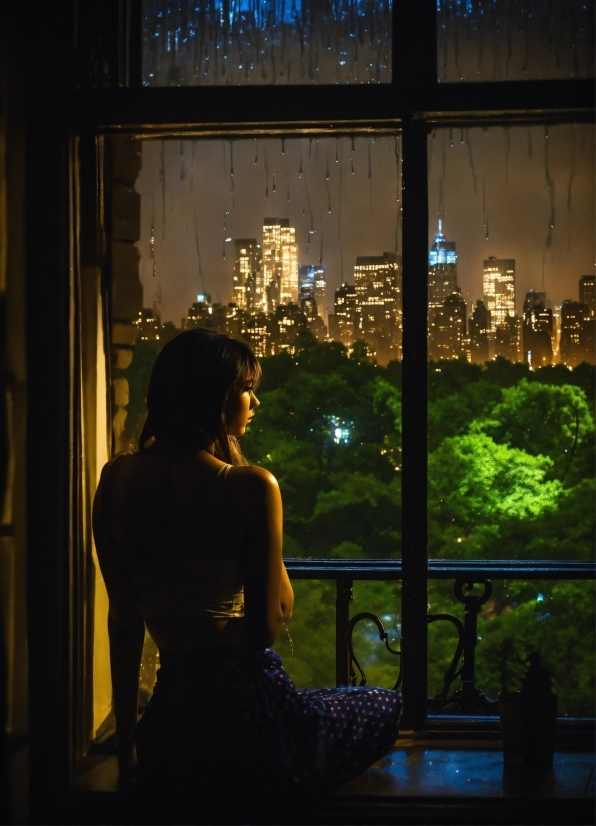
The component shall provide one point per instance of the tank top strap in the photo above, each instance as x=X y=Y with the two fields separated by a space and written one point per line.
x=221 y=476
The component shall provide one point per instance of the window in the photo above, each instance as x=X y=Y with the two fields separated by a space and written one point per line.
x=178 y=126
x=510 y=422
x=316 y=291
x=248 y=43
x=494 y=40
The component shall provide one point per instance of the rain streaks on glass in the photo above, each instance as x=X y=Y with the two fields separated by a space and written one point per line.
x=488 y=40
x=264 y=42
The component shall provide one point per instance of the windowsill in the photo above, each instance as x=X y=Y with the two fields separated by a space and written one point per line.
x=471 y=769
x=423 y=780
x=437 y=781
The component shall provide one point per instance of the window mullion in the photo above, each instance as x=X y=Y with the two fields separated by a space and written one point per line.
x=414 y=417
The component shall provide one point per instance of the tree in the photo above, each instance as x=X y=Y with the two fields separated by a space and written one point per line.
x=504 y=373
x=475 y=485
x=547 y=420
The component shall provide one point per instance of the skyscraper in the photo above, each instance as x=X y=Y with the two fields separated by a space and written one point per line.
x=247 y=271
x=312 y=285
x=377 y=280
x=577 y=333
x=447 y=332
x=342 y=322
x=498 y=284
x=148 y=325
x=587 y=292
x=280 y=263
x=537 y=330
x=478 y=328
x=205 y=314
x=442 y=270
x=508 y=339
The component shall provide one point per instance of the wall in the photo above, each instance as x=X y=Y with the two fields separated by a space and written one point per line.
x=13 y=415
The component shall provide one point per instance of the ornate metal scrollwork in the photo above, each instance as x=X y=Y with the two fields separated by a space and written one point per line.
x=452 y=672
x=468 y=699
x=383 y=636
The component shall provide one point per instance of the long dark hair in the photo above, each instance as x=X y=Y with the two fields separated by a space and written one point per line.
x=191 y=383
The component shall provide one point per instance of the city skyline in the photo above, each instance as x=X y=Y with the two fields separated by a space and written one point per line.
x=502 y=192
x=275 y=301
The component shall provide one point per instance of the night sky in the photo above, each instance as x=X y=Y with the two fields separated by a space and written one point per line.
x=509 y=181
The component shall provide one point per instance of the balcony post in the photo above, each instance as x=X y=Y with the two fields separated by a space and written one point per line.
x=343 y=598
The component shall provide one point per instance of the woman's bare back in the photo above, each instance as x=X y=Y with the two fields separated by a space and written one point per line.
x=172 y=505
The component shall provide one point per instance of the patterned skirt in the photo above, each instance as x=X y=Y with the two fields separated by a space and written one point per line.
x=232 y=722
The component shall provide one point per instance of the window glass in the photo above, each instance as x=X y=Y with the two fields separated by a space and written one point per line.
x=292 y=245
x=554 y=618
x=514 y=39
x=262 y=42
x=511 y=373
x=511 y=394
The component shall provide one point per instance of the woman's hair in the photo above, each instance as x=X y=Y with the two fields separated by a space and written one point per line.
x=193 y=379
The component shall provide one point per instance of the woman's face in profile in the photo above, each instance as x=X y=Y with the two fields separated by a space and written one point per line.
x=239 y=410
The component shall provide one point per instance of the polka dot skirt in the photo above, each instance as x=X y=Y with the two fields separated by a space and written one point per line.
x=240 y=709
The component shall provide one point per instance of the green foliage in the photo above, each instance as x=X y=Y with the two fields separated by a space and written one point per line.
x=448 y=377
x=474 y=481
x=328 y=486
x=503 y=373
x=362 y=508
x=582 y=376
x=547 y=420
x=452 y=415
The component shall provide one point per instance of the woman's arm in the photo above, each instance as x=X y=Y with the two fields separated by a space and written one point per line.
x=126 y=648
x=126 y=631
x=259 y=492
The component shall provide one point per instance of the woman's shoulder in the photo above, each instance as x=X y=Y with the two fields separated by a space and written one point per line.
x=253 y=477
x=109 y=470
x=116 y=460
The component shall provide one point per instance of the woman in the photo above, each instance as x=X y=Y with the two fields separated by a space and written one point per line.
x=189 y=540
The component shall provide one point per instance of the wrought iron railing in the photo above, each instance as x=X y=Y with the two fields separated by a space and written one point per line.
x=468 y=699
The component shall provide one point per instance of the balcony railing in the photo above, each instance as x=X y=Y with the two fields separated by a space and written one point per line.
x=468 y=699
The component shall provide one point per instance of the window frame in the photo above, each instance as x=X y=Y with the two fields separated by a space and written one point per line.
x=414 y=103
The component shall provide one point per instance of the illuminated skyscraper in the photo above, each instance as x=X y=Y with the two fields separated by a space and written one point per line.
x=280 y=263
x=578 y=329
x=342 y=322
x=312 y=285
x=148 y=325
x=287 y=324
x=442 y=270
x=537 y=330
x=587 y=292
x=205 y=314
x=377 y=280
x=447 y=331
x=247 y=271
x=257 y=330
x=498 y=284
